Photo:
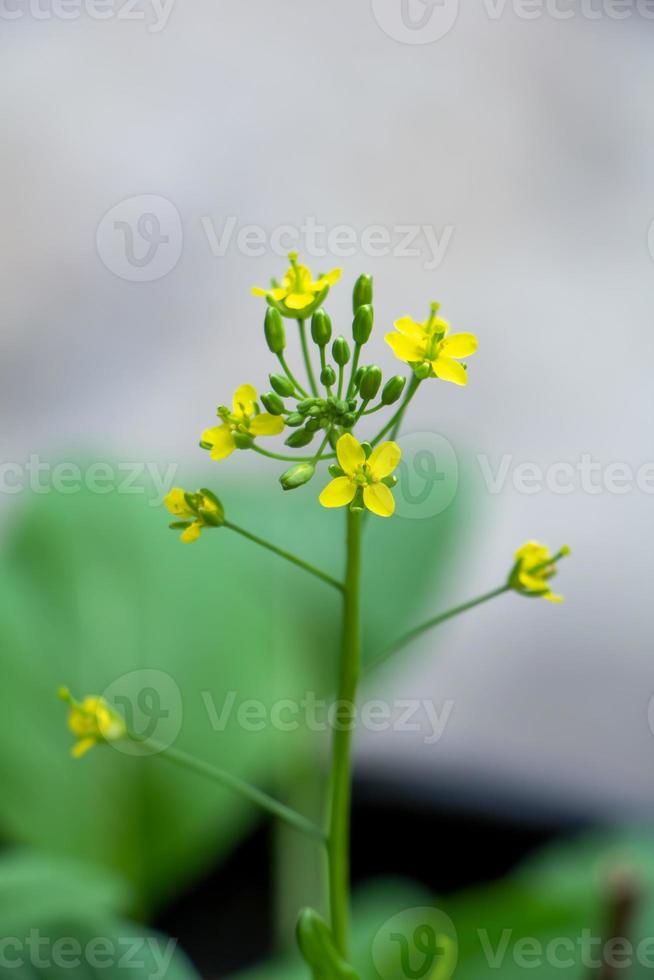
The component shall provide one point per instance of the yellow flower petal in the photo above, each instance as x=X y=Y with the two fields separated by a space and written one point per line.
x=379 y=499
x=298 y=301
x=175 y=501
x=221 y=441
x=244 y=399
x=447 y=369
x=82 y=747
x=191 y=533
x=459 y=345
x=410 y=328
x=384 y=459
x=552 y=597
x=329 y=278
x=350 y=454
x=266 y=425
x=338 y=493
x=405 y=348
x=258 y=291
x=278 y=293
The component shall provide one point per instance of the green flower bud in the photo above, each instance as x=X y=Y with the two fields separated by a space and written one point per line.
x=308 y=405
x=242 y=440
x=299 y=438
x=335 y=470
x=313 y=425
x=370 y=382
x=214 y=516
x=319 y=950
x=294 y=419
x=333 y=439
x=362 y=326
x=297 y=476
x=348 y=420
x=274 y=330
x=341 y=351
x=341 y=406
x=393 y=389
x=367 y=448
x=281 y=385
x=362 y=293
x=321 y=328
x=328 y=375
x=358 y=374
x=273 y=403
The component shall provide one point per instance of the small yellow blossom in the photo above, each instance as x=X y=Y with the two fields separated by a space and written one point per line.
x=428 y=346
x=534 y=566
x=92 y=721
x=298 y=289
x=363 y=474
x=244 y=418
x=204 y=509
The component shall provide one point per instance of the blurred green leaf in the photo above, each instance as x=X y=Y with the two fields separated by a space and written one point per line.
x=94 y=587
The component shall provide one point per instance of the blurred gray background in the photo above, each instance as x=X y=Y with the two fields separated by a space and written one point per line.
x=525 y=145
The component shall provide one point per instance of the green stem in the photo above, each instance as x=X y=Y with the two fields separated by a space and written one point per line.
x=341 y=772
x=396 y=420
x=224 y=778
x=288 y=459
x=323 y=365
x=341 y=378
x=291 y=377
x=287 y=555
x=307 y=358
x=436 y=621
x=353 y=370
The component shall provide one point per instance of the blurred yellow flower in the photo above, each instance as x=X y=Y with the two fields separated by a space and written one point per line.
x=534 y=566
x=298 y=289
x=428 y=346
x=365 y=474
x=243 y=419
x=92 y=721
x=204 y=509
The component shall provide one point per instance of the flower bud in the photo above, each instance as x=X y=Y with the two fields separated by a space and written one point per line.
x=341 y=351
x=294 y=419
x=348 y=420
x=370 y=382
x=297 y=476
x=358 y=374
x=274 y=330
x=362 y=293
x=299 y=438
x=321 y=328
x=242 y=440
x=362 y=325
x=273 y=403
x=393 y=389
x=328 y=375
x=313 y=425
x=281 y=385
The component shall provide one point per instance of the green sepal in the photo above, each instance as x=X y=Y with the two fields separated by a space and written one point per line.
x=299 y=438
x=214 y=518
x=319 y=950
x=205 y=445
x=390 y=481
x=281 y=385
x=362 y=292
x=179 y=525
x=335 y=470
x=303 y=314
x=367 y=448
x=422 y=371
x=242 y=440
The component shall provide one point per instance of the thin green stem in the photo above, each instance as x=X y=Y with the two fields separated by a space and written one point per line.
x=436 y=621
x=227 y=779
x=287 y=555
x=291 y=377
x=288 y=459
x=323 y=365
x=341 y=378
x=396 y=420
x=307 y=357
x=341 y=772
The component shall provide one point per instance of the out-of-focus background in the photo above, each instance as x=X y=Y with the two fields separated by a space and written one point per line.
x=159 y=160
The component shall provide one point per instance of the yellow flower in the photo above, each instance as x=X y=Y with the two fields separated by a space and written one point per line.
x=244 y=418
x=363 y=474
x=92 y=721
x=202 y=507
x=428 y=346
x=298 y=289
x=534 y=566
